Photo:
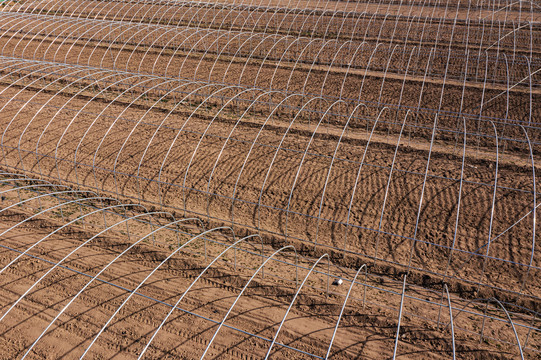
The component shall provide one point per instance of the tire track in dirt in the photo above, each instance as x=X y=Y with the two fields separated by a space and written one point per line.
x=121 y=338
x=110 y=307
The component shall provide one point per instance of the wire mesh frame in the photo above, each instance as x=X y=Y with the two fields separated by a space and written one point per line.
x=311 y=40
x=285 y=209
x=31 y=71
x=501 y=28
x=15 y=187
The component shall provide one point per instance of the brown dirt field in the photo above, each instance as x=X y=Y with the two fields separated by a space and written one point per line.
x=368 y=332
x=415 y=95
x=134 y=10
x=412 y=35
x=414 y=89
x=211 y=196
x=247 y=115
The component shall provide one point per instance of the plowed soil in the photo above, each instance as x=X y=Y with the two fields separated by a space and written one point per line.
x=281 y=179
x=368 y=333
x=250 y=115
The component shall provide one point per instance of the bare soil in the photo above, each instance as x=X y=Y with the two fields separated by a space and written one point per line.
x=249 y=115
x=215 y=159
x=366 y=331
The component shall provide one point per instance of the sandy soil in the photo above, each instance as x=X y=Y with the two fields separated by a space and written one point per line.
x=365 y=75
x=94 y=94
x=368 y=332
x=134 y=10
x=205 y=170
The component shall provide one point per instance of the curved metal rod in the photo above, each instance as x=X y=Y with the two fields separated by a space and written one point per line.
x=343 y=308
x=347 y=72
x=282 y=59
x=248 y=39
x=180 y=130
x=531 y=92
x=431 y=141
x=164 y=48
x=289 y=81
x=90 y=32
x=459 y=200
x=58 y=263
x=314 y=132
x=110 y=74
x=431 y=55
x=332 y=64
x=493 y=207
x=12 y=98
x=242 y=292
x=269 y=52
x=44 y=184
x=267 y=119
x=404 y=80
x=17 y=188
x=399 y=317
x=119 y=116
x=385 y=73
x=139 y=122
x=87 y=131
x=147 y=277
x=451 y=321
x=354 y=188
x=274 y=158
x=149 y=35
x=194 y=152
x=512 y=326
x=30 y=31
x=14 y=22
x=359 y=98
x=239 y=120
x=314 y=61
x=193 y=283
x=506 y=91
x=476 y=252
x=419 y=210
x=60 y=109
x=54 y=41
x=330 y=168
x=179 y=48
x=389 y=183
x=534 y=210
x=103 y=269
x=194 y=49
x=295 y=298
x=53 y=194
x=63 y=226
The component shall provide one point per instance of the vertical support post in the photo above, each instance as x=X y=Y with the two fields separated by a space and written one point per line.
x=399 y=317
x=451 y=321
x=364 y=287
